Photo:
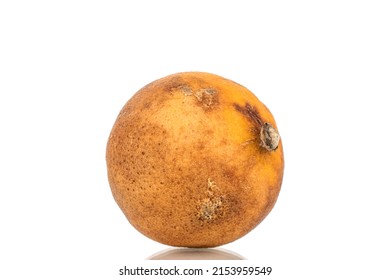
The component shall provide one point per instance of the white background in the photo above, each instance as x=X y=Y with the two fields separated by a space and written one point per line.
x=68 y=67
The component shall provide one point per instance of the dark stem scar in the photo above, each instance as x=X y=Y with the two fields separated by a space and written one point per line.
x=267 y=136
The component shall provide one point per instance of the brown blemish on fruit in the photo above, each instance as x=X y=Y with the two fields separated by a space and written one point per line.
x=213 y=206
x=251 y=113
x=206 y=97
x=173 y=84
x=210 y=208
x=211 y=185
x=146 y=105
x=267 y=136
x=185 y=89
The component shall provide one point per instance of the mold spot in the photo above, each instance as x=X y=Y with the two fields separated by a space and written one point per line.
x=205 y=97
x=208 y=97
x=210 y=208
x=211 y=187
x=213 y=206
x=186 y=90
x=173 y=84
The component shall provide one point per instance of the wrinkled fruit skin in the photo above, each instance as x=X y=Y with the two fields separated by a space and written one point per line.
x=185 y=162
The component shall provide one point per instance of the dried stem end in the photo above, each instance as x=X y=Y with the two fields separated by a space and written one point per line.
x=269 y=137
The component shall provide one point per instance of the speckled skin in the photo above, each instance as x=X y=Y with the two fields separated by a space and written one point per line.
x=185 y=164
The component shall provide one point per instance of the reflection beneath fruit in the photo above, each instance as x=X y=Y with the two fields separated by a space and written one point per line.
x=195 y=254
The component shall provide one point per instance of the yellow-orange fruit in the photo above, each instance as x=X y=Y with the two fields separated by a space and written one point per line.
x=195 y=160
